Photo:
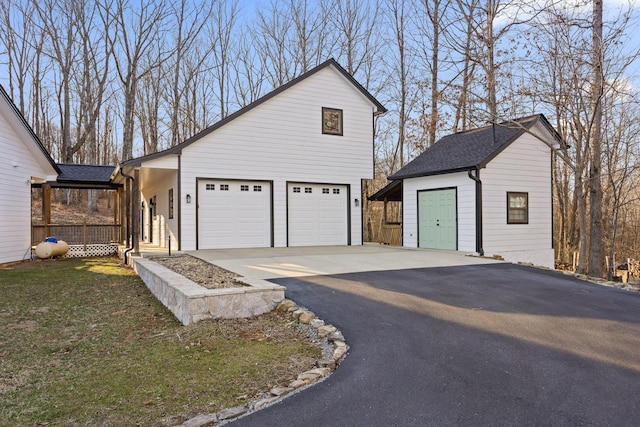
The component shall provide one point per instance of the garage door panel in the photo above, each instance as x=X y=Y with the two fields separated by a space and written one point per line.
x=232 y=214
x=317 y=214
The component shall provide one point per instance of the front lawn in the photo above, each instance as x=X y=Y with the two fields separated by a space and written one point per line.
x=82 y=342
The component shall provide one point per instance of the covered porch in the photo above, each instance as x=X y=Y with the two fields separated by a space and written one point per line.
x=390 y=232
x=87 y=237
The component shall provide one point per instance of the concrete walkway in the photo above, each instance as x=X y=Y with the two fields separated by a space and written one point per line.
x=272 y=263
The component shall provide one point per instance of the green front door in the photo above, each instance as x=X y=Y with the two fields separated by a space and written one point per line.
x=437 y=219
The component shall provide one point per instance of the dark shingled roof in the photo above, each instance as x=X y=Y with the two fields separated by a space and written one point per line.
x=469 y=149
x=85 y=174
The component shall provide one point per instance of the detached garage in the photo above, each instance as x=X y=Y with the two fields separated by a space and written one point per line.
x=485 y=191
x=286 y=170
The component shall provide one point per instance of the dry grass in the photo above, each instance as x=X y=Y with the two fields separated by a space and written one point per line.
x=82 y=342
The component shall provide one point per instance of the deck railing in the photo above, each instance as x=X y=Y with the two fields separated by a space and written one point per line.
x=77 y=234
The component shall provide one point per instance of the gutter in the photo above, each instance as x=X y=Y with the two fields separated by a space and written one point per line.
x=130 y=236
x=476 y=178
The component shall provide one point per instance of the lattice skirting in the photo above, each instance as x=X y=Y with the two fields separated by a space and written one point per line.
x=78 y=251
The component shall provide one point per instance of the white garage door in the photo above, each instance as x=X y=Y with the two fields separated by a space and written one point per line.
x=317 y=214
x=234 y=214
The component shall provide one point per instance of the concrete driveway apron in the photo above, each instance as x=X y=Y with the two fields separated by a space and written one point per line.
x=469 y=345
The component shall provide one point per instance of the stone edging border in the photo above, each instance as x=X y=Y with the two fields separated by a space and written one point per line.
x=324 y=366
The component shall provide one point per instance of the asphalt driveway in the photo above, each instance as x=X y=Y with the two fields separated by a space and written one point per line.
x=470 y=345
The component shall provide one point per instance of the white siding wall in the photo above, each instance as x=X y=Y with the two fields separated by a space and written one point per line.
x=281 y=140
x=525 y=166
x=158 y=184
x=17 y=165
x=466 y=207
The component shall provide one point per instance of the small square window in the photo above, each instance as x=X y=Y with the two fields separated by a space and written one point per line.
x=296 y=189
x=308 y=190
x=325 y=191
x=257 y=188
x=336 y=191
x=244 y=188
x=517 y=208
x=211 y=187
x=224 y=187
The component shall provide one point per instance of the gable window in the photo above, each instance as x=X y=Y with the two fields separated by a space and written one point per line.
x=517 y=208
x=331 y=121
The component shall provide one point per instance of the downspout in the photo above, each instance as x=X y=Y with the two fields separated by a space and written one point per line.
x=130 y=236
x=476 y=178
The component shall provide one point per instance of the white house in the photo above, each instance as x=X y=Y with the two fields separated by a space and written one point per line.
x=285 y=170
x=24 y=161
x=486 y=190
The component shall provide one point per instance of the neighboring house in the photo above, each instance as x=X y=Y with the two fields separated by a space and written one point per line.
x=285 y=170
x=485 y=190
x=25 y=161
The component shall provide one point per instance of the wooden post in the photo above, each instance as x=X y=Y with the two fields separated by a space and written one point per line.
x=84 y=235
x=46 y=208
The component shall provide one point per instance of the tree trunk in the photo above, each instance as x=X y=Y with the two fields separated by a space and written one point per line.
x=596 y=250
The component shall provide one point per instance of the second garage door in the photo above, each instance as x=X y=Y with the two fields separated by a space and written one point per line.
x=317 y=214
x=234 y=214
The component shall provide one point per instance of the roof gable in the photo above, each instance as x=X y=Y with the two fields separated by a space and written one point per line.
x=332 y=63
x=32 y=141
x=470 y=149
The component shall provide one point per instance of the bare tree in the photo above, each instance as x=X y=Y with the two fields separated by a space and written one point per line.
x=137 y=31
x=59 y=21
x=220 y=33
x=596 y=248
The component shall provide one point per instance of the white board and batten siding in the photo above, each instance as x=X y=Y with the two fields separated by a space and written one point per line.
x=465 y=202
x=281 y=141
x=20 y=162
x=524 y=166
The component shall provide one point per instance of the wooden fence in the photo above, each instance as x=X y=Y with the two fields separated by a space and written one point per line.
x=77 y=234
x=391 y=234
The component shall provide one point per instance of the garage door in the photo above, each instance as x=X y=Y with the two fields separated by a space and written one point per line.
x=317 y=214
x=234 y=214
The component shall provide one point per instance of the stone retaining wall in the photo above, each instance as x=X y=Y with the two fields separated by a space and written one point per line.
x=190 y=302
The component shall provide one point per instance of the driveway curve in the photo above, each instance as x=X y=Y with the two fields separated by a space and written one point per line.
x=469 y=345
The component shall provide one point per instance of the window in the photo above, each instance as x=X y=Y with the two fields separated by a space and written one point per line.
x=308 y=190
x=171 y=203
x=224 y=187
x=296 y=189
x=331 y=121
x=244 y=188
x=257 y=188
x=517 y=208
x=210 y=187
x=325 y=191
x=336 y=191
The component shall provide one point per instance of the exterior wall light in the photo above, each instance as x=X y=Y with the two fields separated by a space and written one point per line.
x=357 y=202
x=188 y=198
